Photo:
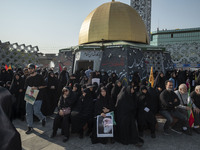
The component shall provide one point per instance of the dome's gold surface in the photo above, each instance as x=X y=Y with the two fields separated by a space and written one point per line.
x=113 y=21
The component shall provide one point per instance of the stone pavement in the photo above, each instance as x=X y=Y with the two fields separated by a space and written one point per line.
x=39 y=140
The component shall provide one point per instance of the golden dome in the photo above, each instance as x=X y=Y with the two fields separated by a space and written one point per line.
x=113 y=21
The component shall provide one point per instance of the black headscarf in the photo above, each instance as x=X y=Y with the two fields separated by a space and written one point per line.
x=126 y=95
x=52 y=81
x=115 y=91
x=103 y=101
x=16 y=84
x=159 y=81
x=136 y=78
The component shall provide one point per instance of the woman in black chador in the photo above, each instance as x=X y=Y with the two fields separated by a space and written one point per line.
x=3 y=75
x=82 y=112
x=146 y=117
x=115 y=91
x=10 y=138
x=17 y=91
x=62 y=119
x=126 y=112
x=159 y=83
x=103 y=105
x=52 y=84
x=114 y=77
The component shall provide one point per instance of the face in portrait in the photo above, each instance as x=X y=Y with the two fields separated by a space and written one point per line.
x=107 y=125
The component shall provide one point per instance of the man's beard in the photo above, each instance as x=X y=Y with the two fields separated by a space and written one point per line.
x=169 y=89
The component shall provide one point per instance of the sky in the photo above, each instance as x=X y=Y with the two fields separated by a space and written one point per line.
x=55 y=24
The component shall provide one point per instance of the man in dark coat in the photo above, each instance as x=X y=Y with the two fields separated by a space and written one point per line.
x=10 y=138
x=168 y=108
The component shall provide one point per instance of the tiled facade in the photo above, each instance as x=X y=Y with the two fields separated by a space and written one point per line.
x=17 y=55
x=143 y=7
x=183 y=45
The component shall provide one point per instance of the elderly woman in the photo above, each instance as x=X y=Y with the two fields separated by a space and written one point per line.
x=62 y=119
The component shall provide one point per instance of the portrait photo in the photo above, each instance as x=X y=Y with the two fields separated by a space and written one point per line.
x=104 y=126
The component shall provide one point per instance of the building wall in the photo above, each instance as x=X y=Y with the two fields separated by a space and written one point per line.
x=18 y=55
x=183 y=45
x=123 y=58
x=115 y=59
x=65 y=58
x=88 y=55
x=143 y=7
x=46 y=60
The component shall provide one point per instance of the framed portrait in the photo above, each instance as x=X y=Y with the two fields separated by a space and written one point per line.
x=105 y=126
x=31 y=95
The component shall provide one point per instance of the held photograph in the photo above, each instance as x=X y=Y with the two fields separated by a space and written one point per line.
x=104 y=126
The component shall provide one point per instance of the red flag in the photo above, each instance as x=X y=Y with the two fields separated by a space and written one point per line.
x=191 y=119
x=60 y=68
x=190 y=113
x=6 y=67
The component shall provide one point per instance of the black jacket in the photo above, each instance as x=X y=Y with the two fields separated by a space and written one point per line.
x=196 y=99
x=167 y=100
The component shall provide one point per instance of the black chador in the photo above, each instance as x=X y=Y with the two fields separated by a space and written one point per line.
x=146 y=117
x=17 y=90
x=103 y=105
x=62 y=119
x=10 y=138
x=83 y=111
x=159 y=81
x=115 y=91
x=51 y=99
x=126 y=110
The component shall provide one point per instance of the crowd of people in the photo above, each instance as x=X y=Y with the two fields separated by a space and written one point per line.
x=77 y=101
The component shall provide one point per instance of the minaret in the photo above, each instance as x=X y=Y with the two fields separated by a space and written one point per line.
x=143 y=7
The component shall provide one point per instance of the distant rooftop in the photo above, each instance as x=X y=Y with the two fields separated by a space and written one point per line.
x=163 y=31
x=163 y=37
